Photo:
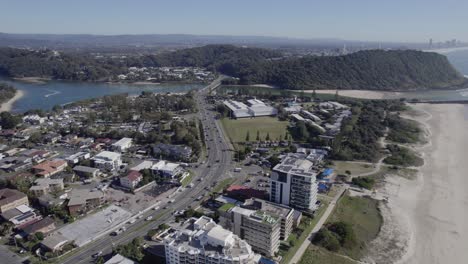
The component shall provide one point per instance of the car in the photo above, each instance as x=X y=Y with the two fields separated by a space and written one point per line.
x=149 y=218
x=131 y=221
x=96 y=255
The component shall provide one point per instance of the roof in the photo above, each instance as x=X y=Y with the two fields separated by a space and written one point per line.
x=79 y=197
x=109 y=155
x=54 y=241
x=49 y=166
x=34 y=227
x=133 y=176
x=9 y=195
x=85 y=169
x=119 y=259
x=146 y=164
x=123 y=141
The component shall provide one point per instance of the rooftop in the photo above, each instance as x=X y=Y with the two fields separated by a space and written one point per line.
x=107 y=155
x=80 y=196
x=9 y=195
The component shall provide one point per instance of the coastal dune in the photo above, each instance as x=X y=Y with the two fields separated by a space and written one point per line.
x=430 y=213
x=8 y=105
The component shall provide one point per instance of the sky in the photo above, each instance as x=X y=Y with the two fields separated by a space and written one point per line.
x=366 y=20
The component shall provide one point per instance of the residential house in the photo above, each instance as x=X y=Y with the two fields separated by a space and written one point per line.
x=45 y=226
x=175 y=152
x=49 y=168
x=54 y=242
x=131 y=180
x=86 y=172
x=10 y=199
x=44 y=185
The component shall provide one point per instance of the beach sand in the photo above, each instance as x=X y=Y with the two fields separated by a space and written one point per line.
x=426 y=220
x=364 y=94
x=8 y=105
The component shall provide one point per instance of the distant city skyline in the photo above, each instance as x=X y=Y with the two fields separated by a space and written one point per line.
x=364 y=20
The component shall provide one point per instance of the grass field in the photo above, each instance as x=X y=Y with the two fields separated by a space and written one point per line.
x=363 y=214
x=236 y=129
x=355 y=168
x=223 y=184
x=318 y=255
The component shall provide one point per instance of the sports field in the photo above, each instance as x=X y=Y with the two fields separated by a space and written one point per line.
x=236 y=129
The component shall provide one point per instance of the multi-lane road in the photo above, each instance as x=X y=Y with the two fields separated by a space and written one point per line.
x=218 y=162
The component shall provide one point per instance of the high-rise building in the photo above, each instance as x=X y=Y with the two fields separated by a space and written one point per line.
x=203 y=241
x=261 y=223
x=293 y=183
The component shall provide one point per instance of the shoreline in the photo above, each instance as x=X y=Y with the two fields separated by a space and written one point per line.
x=8 y=105
x=426 y=216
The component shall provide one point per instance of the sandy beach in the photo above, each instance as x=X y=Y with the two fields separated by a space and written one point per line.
x=7 y=106
x=364 y=94
x=426 y=219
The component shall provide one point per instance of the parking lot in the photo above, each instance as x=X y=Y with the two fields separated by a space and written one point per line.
x=135 y=203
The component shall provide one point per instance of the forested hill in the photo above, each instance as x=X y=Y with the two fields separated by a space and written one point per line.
x=375 y=69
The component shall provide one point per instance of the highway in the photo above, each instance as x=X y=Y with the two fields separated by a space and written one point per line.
x=217 y=164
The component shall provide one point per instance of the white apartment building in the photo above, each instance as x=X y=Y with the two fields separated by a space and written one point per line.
x=107 y=160
x=203 y=241
x=122 y=145
x=293 y=183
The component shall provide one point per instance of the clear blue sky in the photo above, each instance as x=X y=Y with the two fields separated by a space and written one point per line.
x=376 y=20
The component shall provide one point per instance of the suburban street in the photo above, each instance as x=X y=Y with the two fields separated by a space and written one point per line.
x=214 y=169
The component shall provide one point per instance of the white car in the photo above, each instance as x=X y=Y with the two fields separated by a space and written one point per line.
x=149 y=218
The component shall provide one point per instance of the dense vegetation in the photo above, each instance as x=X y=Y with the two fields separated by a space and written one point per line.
x=402 y=156
x=375 y=69
x=336 y=235
x=402 y=130
x=364 y=182
x=46 y=63
x=358 y=139
x=6 y=92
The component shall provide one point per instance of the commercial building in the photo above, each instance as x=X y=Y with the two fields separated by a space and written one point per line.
x=203 y=241
x=107 y=160
x=54 y=242
x=167 y=169
x=293 y=183
x=83 y=200
x=10 y=199
x=86 y=172
x=256 y=108
x=49 y=168
x=131 y=180
x=122 y=145
x=43 y=186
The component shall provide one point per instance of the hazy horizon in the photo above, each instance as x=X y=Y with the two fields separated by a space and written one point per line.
x=363 y=20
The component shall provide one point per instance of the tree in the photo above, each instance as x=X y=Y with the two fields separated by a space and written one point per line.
x=9 y=121
x=267 y=136
x=258 y=136
x=247 y=136
x=39 y=236
x=314 y=94
x=327 y=239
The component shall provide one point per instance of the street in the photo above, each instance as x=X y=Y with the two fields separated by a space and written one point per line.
x=218 y=163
